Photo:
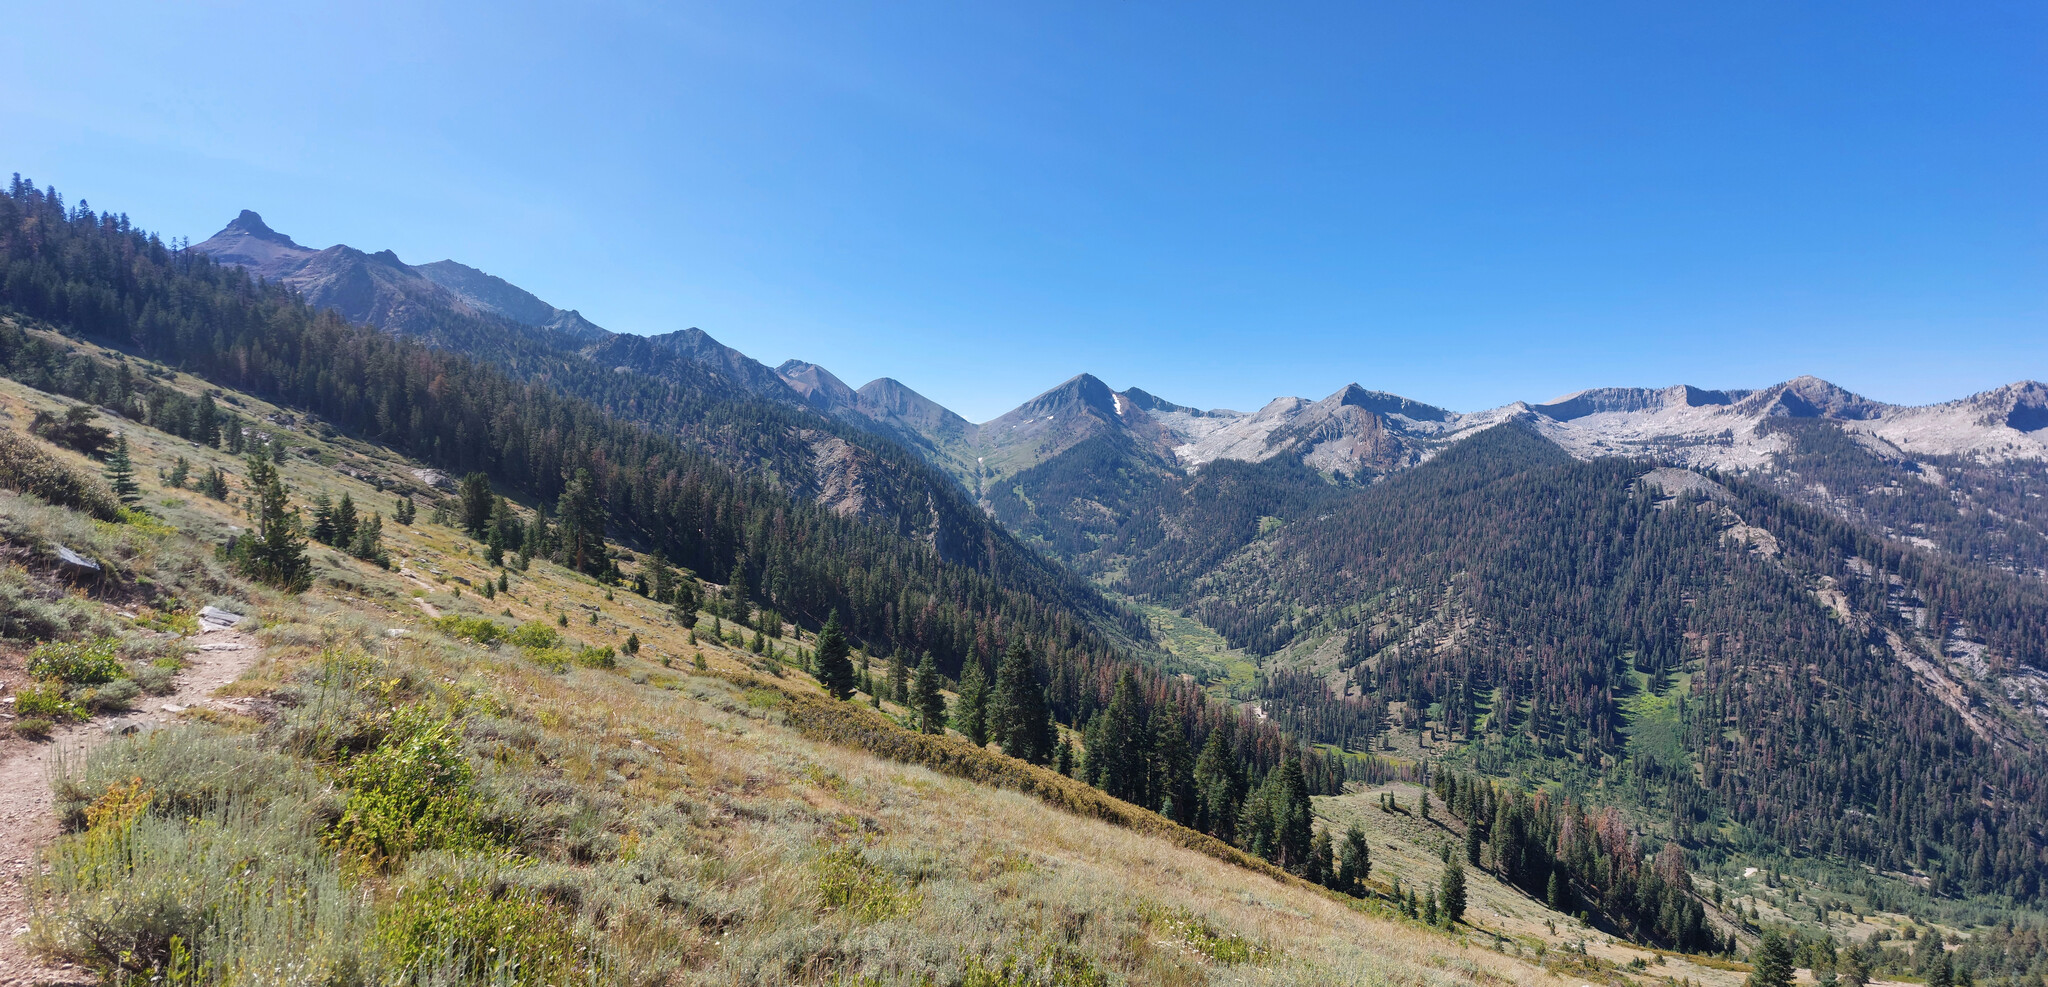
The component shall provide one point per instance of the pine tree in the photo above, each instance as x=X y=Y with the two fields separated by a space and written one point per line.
x=1322 y=867
x=1172 y=787
x=1063 y=756
x=275 y=552
x=1472 y=843
x=970 y=710
x=344 y=521
x=834 y=667
x=206 y=422
x=1294 y=816
x=214 y=483
x=1121 y=765
x=899 y=679
x=323 y=519
x=1019 y=718
x=121 y=473
x=1451 y=892
x=368 y=543
x=405 y=511
x=927 y=703
x=477 y=500
x=583 y=521
x=180 y=472
x=1219 y=786
x=1771 y=962
x=1354 y=861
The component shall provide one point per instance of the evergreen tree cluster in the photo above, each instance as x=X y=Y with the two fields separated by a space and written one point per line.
x=1579 y=859
x=1575 y=590
x=699 y=486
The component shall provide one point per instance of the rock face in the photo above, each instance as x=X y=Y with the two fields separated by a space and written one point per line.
x=379 y=289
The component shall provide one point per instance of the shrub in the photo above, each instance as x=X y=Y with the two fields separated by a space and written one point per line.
x=553 y=659
x=33 y=728
x=471 y=930
x=46 y=700
x=112 y=697
x=603 y=657
x=410 y=792
x=38 y=614
x=533 y=635
x=26 y=467
x=1057 y=966
x=78 y=662
x=477 y=629
x=156 y=679
x=145 y=893
x=849 y=883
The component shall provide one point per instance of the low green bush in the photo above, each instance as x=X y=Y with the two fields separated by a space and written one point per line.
x=533 y=635
x=411 y=792
x=603 y=657
x=46 y=701
x=78 y=662
x=112 y=697
x=553 y=659
x=33 y=728
x=476 y=629
x=852 y=885
x=474 y=930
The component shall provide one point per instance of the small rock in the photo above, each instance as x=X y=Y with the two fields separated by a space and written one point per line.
x=214 y=618
x=120 y=728
x=76 y=563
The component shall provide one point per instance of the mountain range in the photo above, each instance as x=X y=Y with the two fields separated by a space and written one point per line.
x=1355 y=436
x=1667 y=603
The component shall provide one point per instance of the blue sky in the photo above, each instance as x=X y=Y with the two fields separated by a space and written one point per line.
x=1221 y=203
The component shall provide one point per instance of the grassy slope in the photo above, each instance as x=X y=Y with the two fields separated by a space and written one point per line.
x=700 y=779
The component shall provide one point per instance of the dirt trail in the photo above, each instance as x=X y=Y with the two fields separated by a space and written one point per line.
x=26 y=819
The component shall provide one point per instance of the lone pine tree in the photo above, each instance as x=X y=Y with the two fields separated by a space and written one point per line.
x=1019 y=718
x=834 y=667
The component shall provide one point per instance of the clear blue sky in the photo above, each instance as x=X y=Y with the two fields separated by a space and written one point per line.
x=1466 y=204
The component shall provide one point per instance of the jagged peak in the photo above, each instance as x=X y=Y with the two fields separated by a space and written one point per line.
x=1382 y=403
x=251 y=224
x=817 y=384
x=1147 y=401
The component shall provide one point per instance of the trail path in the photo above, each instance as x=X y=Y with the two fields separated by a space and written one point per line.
x=27 y=822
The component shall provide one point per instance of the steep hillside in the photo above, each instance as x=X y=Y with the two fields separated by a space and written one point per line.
x=953 y=585
x=1518 y=606
x=396 y=791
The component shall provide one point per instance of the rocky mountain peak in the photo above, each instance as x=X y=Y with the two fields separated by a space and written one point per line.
x=249 y=223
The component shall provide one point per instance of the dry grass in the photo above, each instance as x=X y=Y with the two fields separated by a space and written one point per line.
x=723 y=826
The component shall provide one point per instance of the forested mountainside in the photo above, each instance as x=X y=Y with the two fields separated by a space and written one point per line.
x=955 y=585
x=1811 y=683
x=658 y=480
x=1978 y=511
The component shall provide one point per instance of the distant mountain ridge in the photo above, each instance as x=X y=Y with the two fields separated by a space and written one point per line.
x=379 y=289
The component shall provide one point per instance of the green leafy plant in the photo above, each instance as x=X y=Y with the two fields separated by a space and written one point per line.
x=480 y=931
x=78 y=662
x=412 y=791
x=849 y=883
x=476 y=629
x=45 y=700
